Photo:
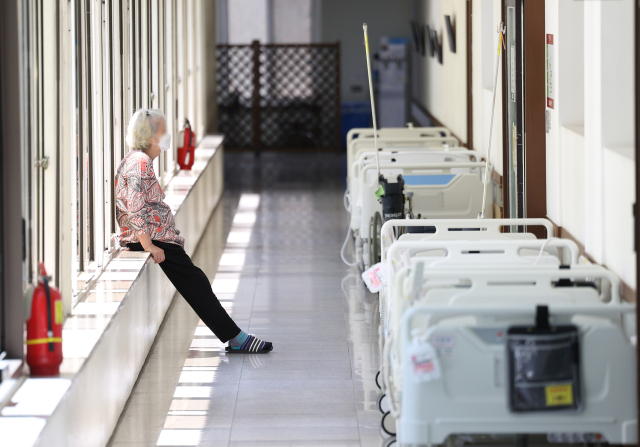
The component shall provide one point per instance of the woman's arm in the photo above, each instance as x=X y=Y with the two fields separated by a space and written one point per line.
x=157 y=253
x=145 y=240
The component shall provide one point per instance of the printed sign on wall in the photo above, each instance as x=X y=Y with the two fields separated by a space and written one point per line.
x=550 y=72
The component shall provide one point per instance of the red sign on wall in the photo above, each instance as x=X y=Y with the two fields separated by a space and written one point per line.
x=550 y=72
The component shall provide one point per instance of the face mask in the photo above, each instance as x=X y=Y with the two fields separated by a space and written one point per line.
x=165 y=142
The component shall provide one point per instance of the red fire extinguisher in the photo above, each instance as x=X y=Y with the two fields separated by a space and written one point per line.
x=186 y=153
x=44 y=328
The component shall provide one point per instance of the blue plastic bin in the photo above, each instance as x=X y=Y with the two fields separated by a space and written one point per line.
x=354 y=114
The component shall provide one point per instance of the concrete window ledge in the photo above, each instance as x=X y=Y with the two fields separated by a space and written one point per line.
x=108 y=337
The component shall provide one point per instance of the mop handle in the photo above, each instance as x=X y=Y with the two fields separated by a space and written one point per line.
x=373 y=107
x=493 y=107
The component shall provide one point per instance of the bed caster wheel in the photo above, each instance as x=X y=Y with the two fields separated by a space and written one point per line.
x=379 y=380
x=388 y=424
x=383 y=405
x=391 y=442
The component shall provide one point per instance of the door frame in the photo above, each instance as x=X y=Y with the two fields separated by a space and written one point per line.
x=531 y=147
x=535 y=137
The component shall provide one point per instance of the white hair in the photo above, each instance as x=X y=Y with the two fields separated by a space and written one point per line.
x=142 y=126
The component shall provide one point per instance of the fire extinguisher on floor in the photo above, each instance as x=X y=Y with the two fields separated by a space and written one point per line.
x=44 y=328
x=186 y=153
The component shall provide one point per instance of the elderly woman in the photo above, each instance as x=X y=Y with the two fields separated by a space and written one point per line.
x=146 y=223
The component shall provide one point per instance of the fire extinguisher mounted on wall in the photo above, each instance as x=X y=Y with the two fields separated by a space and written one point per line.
x=44 y=327
x=186 y=153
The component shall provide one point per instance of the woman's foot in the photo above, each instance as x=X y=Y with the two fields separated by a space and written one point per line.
x=245 y=343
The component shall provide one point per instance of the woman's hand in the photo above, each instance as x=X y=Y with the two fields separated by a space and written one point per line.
x=157 y=253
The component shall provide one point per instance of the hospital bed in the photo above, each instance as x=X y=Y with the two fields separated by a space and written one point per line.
x=465 y=243
x=459 y=229
x=448 y=230
x=419 y=158
x=451 y=229
x=356 y=147
x=487 y=345
x=469 y=254
x=430 y=154
x=465 y=255
x=397 y=132
x=436 y=190
x=392 y=140
x=405 y=156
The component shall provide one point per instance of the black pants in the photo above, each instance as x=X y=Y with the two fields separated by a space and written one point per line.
x=194 y=286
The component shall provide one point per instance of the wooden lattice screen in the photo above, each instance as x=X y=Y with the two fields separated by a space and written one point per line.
x=279 y=95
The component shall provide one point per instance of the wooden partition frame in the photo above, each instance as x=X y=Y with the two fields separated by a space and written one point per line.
x=469 y=77
x=534 y=108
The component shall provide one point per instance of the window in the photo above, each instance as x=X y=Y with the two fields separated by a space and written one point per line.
x=81 y=85
x=275 y=21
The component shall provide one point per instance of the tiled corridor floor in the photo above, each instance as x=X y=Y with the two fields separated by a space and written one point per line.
x=277 y=236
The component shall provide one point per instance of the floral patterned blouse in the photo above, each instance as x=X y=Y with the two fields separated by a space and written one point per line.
x=139 y=202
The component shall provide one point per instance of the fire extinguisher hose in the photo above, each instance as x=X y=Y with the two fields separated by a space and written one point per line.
x=188 y=124
x=49 y=322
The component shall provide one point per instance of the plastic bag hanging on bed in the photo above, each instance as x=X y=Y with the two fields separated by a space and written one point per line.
x=375 y=277
x=425 y=365
x=392 y=199
x=543 y=366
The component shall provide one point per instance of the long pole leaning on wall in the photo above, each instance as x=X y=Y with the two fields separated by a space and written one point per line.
x=469 y=76
x=501 y=30
x=635 y=206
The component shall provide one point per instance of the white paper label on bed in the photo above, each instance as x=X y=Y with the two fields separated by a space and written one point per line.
x=424 y=361
x=375 y=277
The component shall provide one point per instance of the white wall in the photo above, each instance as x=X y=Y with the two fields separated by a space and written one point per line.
x=269 y=21
x=590 y=146
x=342 y=21
x=248 y=21
x=443 y=87
x=292 y=21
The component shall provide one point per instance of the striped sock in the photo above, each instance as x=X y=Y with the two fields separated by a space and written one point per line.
x=238 y=340
x=246 y=342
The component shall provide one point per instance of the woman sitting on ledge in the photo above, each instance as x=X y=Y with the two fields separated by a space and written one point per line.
x=146 y=223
